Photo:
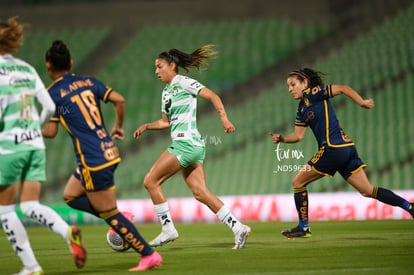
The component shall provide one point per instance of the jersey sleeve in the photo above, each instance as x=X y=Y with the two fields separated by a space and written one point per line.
x=300 y=121
x=102 y=91
x=328 y=91
x=191 y=85
x=319 y=93
x=55 y=115
x=43 y=97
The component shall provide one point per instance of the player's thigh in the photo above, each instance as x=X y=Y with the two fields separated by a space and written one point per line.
x=30 y=190
x=73 y=187
x=102 y=200
x=10 y=177
x=24 y=171
x=195 y=178
x=360 y=182
x=163 y=168
x=8 y=194
x=99 y=187
x=305 y=176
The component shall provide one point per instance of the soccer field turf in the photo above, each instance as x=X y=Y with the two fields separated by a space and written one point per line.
x=351 y=247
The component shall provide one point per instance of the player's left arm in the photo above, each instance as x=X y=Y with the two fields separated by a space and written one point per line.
x=162 y=123
x=354 y=95
x=50 y=129
x=119 y=104
x=296 y=136
x=48 y=106
x=211 y=96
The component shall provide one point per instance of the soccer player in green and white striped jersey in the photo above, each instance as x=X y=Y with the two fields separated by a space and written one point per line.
x=22 y=153
x=187 y=151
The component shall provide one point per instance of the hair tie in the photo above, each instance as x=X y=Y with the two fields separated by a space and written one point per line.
x=299 y=73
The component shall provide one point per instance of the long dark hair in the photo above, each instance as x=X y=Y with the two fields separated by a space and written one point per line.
x=311 y=75
x=184 y=60
x=58 y=55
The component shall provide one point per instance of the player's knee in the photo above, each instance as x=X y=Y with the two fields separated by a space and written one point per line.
x=149 y=182
x=27 y=207
x=297 y=184
x=67 y=195
x=366 y=194
x=201 y=195
x=67 y=199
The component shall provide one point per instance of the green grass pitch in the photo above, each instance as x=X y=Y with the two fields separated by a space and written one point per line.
x=345 y=247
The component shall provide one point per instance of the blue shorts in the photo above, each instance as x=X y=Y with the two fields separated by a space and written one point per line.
x=187 y=153
x=328 y=160
x=96 y=180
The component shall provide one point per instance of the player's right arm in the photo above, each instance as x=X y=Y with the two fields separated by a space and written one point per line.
x=119 y=104
x=50 y=129
x=296 y=136
x=162 y=123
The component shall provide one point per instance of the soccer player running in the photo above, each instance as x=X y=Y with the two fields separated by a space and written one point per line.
x=91 y=187
x=22 y=152
x=336 y=152
x=187 y=151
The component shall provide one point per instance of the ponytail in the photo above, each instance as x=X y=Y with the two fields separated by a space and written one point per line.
x=196 y=59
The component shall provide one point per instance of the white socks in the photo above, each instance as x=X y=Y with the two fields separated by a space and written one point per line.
x=17 y=236
x=163 y=213
x=226 y=217
x=46 y=216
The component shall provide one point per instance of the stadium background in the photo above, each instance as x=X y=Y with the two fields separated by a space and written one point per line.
x=365 y=44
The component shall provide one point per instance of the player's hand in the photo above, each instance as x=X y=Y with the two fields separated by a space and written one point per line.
x=368 y=103
x=139 y=131
x=118 y=133
x=276 y=138
x=228 y=127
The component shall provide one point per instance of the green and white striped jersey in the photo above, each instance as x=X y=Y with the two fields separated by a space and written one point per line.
x=179 y=103
x=20 y=86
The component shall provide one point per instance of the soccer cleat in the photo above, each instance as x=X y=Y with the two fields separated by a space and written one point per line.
x=25 y=271
x=297 y=233
x=240 y=237
x=76 y=244
x=148 y=262
x=411 y=209
x=164 y=237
